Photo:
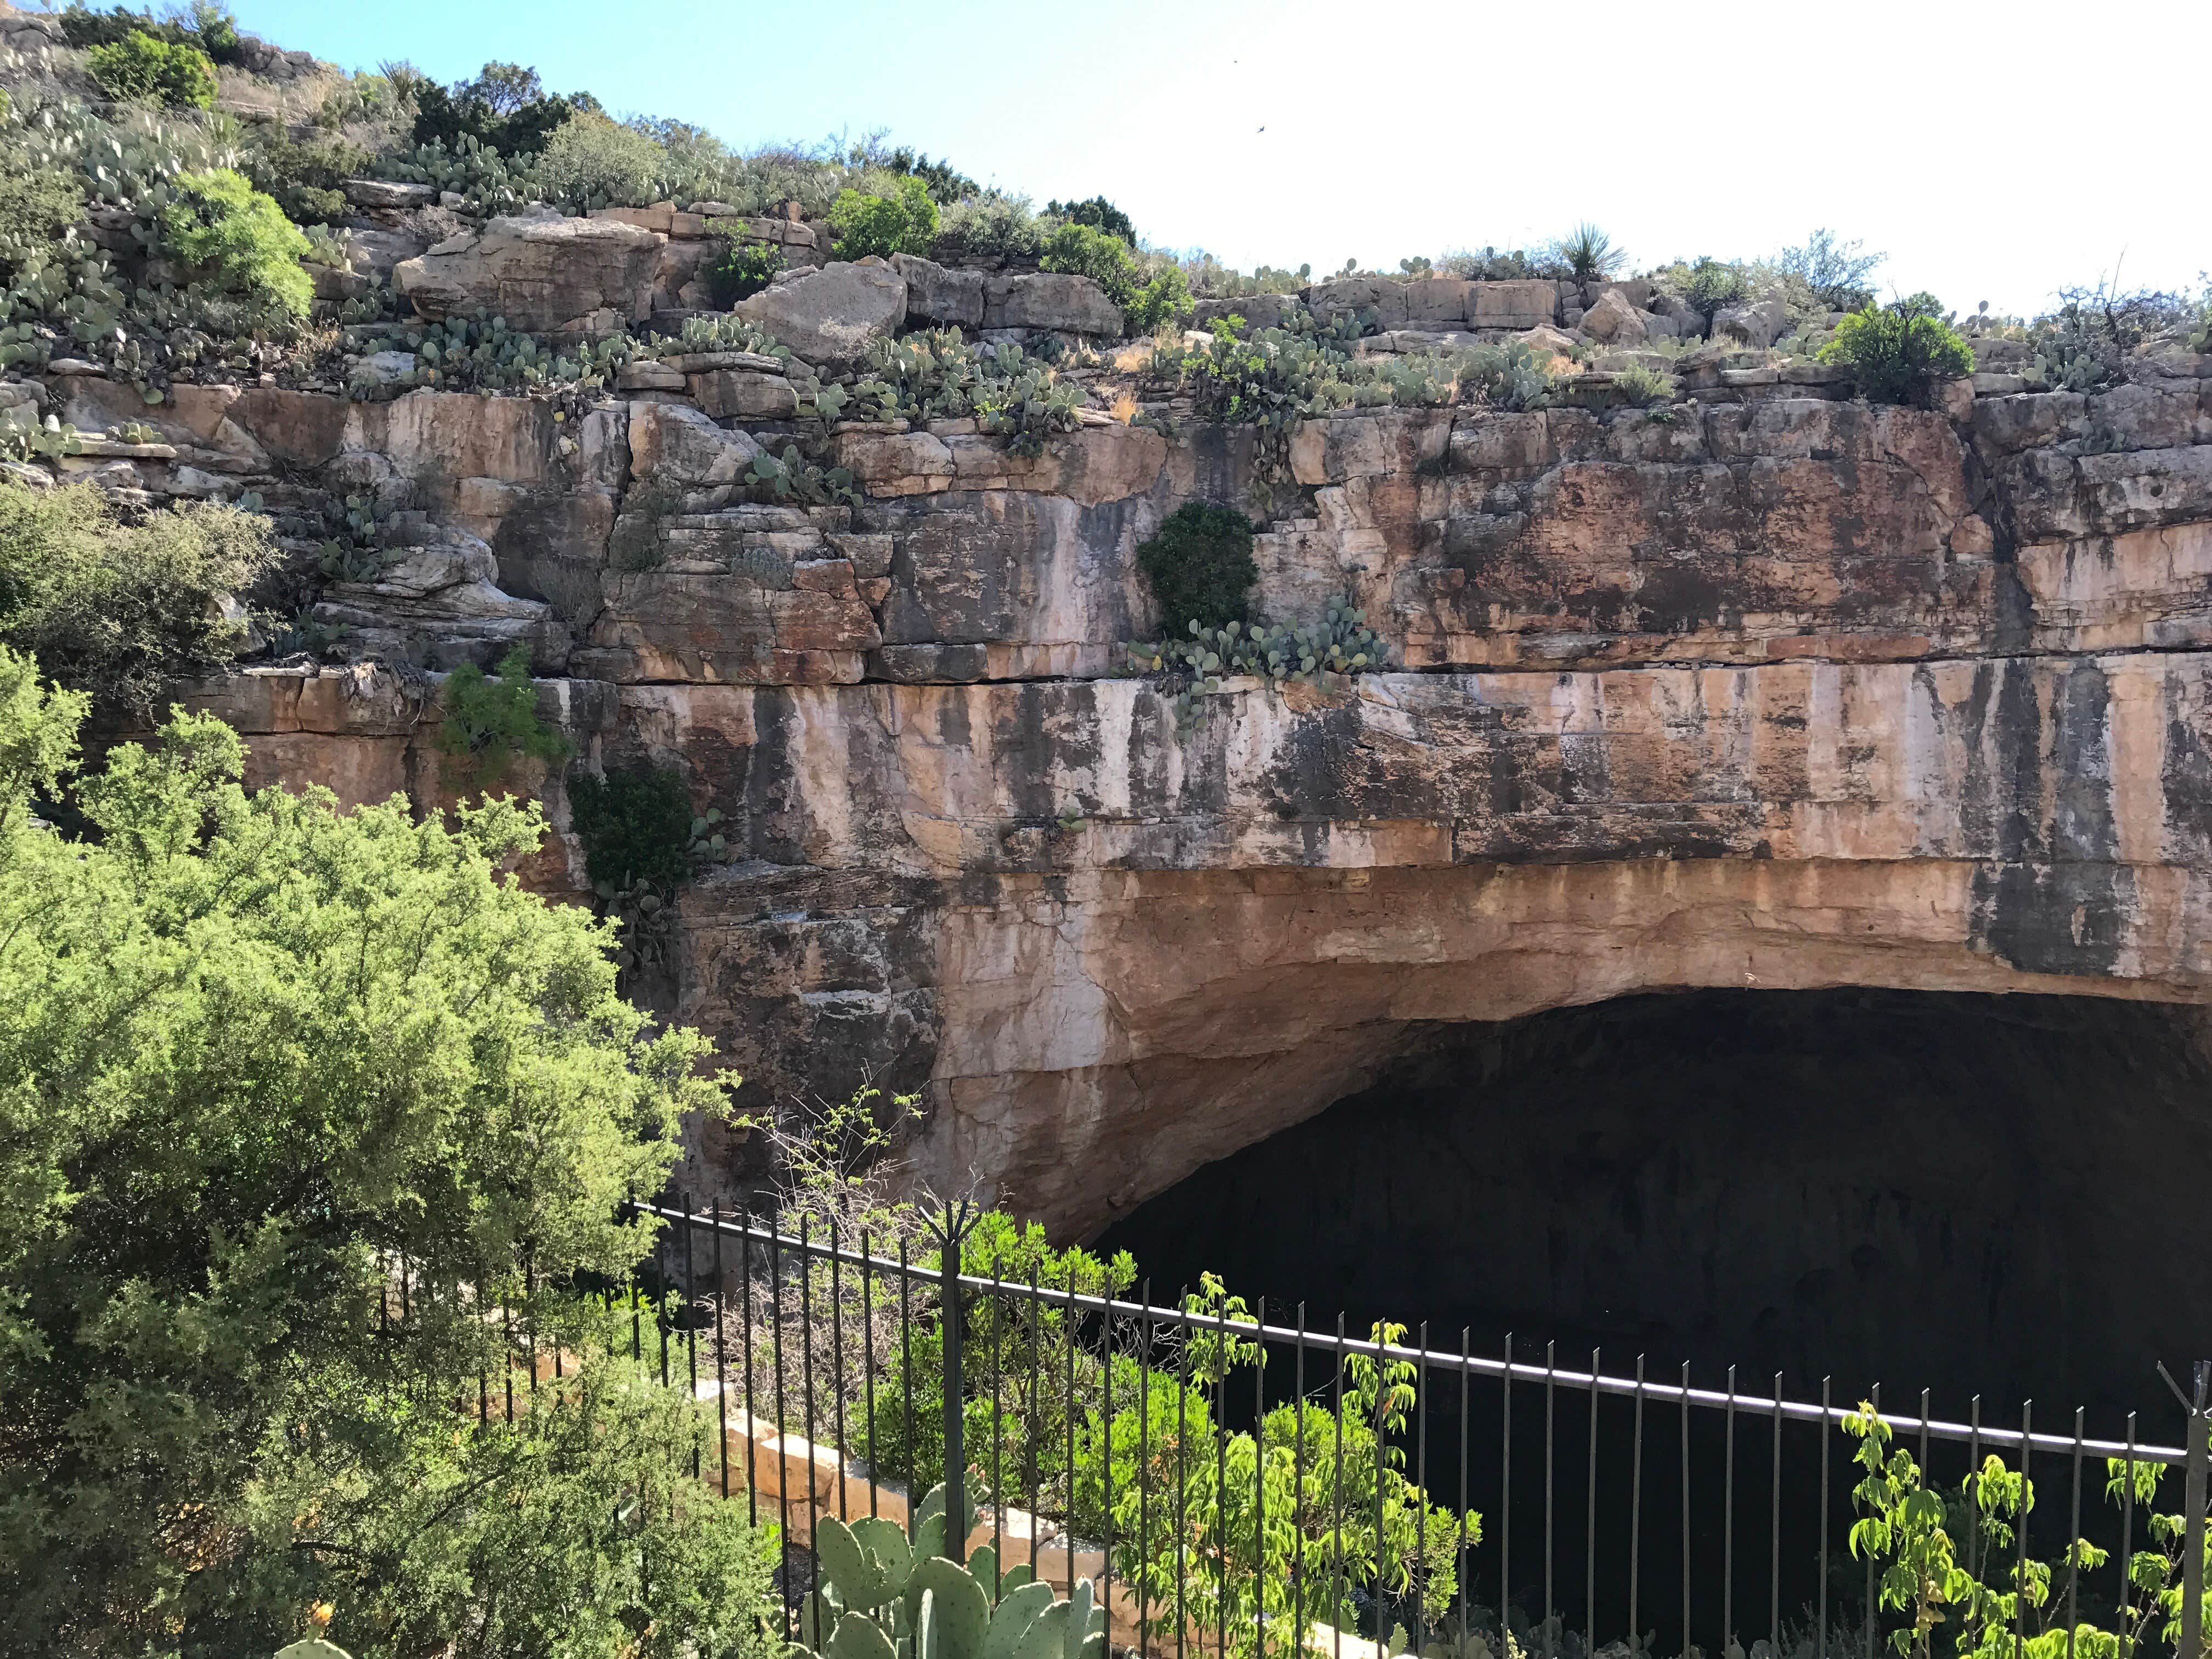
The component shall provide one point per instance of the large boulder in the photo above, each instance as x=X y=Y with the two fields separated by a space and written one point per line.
x=439 y=604
x=545 y=274
x=676 y=445
x=1614 y=320
x=1757 y=324
x=949 y=297
x=830 y=314
x=1527 y=304
x=1065 y=304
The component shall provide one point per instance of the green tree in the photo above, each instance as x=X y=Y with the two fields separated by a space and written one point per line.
x=904 y=221
x=1902 y=351
x=490 y=720
x=1200 y=565
x=258 y=1059
x=242 y=238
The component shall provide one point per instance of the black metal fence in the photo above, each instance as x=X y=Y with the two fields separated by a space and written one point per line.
x=1249 y=1480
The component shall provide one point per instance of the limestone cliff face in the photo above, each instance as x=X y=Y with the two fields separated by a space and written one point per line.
x=1783 y=691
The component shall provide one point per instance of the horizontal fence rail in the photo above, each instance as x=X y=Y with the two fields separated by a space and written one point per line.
x=1233 y=1483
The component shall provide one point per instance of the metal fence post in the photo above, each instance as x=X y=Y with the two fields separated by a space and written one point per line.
x=2192 y=1548
x=951 y=1227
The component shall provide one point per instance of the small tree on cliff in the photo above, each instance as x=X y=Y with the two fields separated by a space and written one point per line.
x=253 y=1050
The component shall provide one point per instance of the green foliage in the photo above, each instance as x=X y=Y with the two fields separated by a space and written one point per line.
x=241 y=237
x=303 y=175
x=887 y=1594
x=792 y=476
x=483 y=354
x=1199 y=566
x=492 y=720
x=1099 y=213
x=1079 y=249
x=1587 y=253
x=904 y=222
x=744 y=270
x=990 y=226
x=592 y=163
x=123 y=611
x=467 y=167
x=37 y=210
x=1510 y=376
x=1643 y=386
x=1162 y=300
x=1341 y=643
x=945 y=183
x=1900 y=352
x=505 y=109
x=1712 y=284
x=2085 y=342
x=2003 y=1608
x=937 y=375
x=141 y=69
x=1832 y=270
x=208 y=29
x=252 y=1048
x=24 y=436
x=635 y=824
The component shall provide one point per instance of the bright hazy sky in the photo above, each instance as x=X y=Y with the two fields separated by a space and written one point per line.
x=1994 y=152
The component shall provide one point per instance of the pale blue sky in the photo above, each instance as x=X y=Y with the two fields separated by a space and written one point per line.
x=1994 y=152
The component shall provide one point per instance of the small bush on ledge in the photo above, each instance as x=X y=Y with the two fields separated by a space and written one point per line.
x=1902 y=351
x=1200 y=565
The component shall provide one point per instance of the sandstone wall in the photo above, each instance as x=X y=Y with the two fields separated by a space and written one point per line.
x=1781 y=691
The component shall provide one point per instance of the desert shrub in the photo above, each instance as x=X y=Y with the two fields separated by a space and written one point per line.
x=945 y=183
x=2085 y=342
x=141 y=69
x=1099 y=213
x=491 y=720
x=935 y=375
x=989 y=228
x=209 y=28
x=295 y=1045
x=1509 y=376
x=1588 y=253
x=635 y=824
x=123 y=611
x=904 y=221
x=1162 y=300
x=1833 y=272
x=506 y=109
x=592 y=163
x=491 y=182
x=1900 y=352
x=1712 y=284
x=219 y=221
x=303 y=176
x=744 y=270
x=1489 y=264
x=37 y=210
x=1199 y=566
x=1078 y=249
x=1643 y=386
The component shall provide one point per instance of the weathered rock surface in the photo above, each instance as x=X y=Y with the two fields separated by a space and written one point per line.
x=437 y=604
x=1044 y=300
x=545 y=274
x=830 y=315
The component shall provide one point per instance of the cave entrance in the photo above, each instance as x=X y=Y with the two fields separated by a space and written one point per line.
x=1969 y=1193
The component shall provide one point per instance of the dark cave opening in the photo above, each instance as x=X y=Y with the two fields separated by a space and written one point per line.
x=1972 y=1194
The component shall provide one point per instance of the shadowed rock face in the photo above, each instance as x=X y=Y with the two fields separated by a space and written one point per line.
x=1966 y=1193
x=1783 y=695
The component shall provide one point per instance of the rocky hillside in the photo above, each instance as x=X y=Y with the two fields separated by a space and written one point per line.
x=1688 y=663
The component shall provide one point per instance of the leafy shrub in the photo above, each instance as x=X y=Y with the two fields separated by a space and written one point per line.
x=210 y=28
x=988 y=228
x=634 y=823
x=744 y=270
x=1099 y=213
x=1834 y=272
x=591 y=162
x=1200 y=565
x=490 y=721
x=123 y=611
x=904 y=221
x=1163 y=301
x=945 y=183
x=1643 y=386
x=218 y=221
x=1587 y=253
x=505 y=108
x=1078 y=249
x=304 y=1042
x=1711 y=285
x=303 y=175
x=37 y=210
x=139 y=67
x=1900 y=352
